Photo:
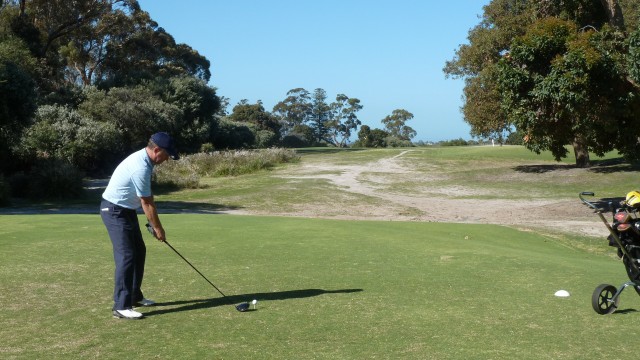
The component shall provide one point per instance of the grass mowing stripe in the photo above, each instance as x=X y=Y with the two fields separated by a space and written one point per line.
x=326 y=289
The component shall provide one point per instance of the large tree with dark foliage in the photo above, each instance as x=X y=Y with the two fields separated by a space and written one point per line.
x=560 y=73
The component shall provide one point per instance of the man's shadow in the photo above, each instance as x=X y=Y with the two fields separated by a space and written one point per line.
x=187 y=305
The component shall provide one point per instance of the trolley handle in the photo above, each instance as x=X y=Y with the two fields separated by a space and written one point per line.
x=586 y=202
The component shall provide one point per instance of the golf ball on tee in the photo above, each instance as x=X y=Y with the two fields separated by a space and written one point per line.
x=254 y=302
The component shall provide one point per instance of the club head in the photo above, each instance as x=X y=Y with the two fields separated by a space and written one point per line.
x=242 y=307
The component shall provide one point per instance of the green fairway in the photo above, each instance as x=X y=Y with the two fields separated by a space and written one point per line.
x=327 y=289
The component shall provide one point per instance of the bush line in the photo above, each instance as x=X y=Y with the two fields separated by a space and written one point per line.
x=187 y=172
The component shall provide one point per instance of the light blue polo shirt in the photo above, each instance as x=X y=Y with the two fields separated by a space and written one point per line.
x=130 y=181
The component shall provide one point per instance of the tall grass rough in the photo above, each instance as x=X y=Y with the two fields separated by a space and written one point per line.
x=186 y=173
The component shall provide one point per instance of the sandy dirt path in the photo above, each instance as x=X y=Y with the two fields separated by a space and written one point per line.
x=371 y=179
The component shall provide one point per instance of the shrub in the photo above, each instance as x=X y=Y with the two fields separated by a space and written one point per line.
x=62 y=133
x=393 y=141
x=455 y=142
x=19 y=185
x=294 y=141
x=186 y=173
x=265 y=139
x=232 y=163
x=135 y=111
x=230 y=135
x=54 y=179
x=175 y=175
x=280 y=155
x=207 y=148
x=4 y=192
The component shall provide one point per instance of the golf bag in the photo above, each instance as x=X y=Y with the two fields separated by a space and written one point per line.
x=624 y=235
x=626 y=226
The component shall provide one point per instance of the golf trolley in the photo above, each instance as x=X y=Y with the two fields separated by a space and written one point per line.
x=625 y=236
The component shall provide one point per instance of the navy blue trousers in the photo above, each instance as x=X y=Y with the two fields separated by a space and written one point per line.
x=129 y=253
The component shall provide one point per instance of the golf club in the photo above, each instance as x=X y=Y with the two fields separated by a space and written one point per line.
x=240 y=307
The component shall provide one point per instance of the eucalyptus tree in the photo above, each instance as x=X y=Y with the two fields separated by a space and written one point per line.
x=310 y=116
x=48 y=25
x=87 y=50
x=293 y=111
x=343 y=120
x=151 y=52
x=396 y=124
x=57 y=20
x=105 y=42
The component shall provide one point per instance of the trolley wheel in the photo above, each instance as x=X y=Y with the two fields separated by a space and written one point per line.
x=601 y=299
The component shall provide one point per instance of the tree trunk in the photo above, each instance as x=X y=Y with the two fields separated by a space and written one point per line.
x=581 y=152
x=614 y=12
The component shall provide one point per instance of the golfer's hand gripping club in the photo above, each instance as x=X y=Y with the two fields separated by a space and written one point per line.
x=152 y=231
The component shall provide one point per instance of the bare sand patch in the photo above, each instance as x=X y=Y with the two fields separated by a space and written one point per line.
x=437 y=204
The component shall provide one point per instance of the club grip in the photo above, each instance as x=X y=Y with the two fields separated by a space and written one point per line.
x=150 y=229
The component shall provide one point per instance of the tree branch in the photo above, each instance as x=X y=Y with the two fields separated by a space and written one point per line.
x=614 y=13
x=66 y=28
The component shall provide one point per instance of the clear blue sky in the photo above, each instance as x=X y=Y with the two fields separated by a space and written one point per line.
x=388 y=54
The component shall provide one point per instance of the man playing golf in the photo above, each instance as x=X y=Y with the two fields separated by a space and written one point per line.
x=129 y=189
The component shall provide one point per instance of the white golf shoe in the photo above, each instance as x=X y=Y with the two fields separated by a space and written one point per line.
x=127 y=314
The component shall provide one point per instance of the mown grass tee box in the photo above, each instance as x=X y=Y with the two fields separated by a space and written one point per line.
x=327 y=289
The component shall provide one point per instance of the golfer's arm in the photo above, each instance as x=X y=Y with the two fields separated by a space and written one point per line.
x=150 y=210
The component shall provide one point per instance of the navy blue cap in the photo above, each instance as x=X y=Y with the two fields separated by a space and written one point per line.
x=165 y=141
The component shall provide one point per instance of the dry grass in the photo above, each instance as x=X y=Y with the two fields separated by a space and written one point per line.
x=187 y=172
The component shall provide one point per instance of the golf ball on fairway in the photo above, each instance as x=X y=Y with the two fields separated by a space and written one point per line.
x=562 y=293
